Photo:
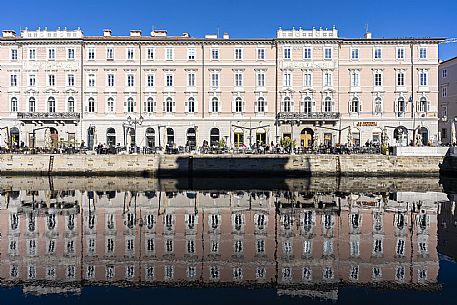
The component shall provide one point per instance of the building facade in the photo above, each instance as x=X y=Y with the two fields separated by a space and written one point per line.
x=447 y=98
x=61 y=87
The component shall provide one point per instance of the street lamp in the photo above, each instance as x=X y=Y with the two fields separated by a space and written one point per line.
x=135 y=121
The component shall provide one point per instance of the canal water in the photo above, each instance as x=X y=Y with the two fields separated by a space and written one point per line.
x=76 y=240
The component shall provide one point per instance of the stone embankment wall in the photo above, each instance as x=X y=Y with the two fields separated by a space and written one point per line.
x=200 y=165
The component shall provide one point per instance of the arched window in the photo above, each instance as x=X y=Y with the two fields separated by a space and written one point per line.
x=191 y=105
x=150 y=137
x=32 y=104
x=354 y=105
x=423 y=105
x=287 y=104
x=401 y=106
x=191 y=138
x=91 y=106
x=110 y=104
x=214 y=136
x=307 y=105
x=71 y=104
x=13 y=104
x=51 y=104
x=260 y=104
x=169 y=105
x=111 y=137
x=130 y=104
x=170 y=136
x=377 y=105
x=215 y=104
x=238 y=105
x=149 y=107
x=328 y=104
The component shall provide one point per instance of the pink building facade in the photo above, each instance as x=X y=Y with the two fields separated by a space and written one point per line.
x=61 y=87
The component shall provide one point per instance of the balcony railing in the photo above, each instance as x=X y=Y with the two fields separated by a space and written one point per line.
x=308 y=116
x=48 y=116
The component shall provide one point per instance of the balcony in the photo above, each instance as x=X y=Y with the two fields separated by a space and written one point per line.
x=307 y=116
x=49 y=117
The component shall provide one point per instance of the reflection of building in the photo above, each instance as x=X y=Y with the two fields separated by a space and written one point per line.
x=288 y=239
x=447 y=229
x=309 y=85
x=447 y=80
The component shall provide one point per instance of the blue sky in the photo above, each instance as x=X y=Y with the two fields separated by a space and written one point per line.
x=241 y=18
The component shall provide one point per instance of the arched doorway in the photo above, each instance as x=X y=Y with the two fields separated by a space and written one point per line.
x=90 y=137
x=306 y=137
x=214 y=136
x=401 y=136
x=14 y=136
x=261 y=136
x=132 y=137
x=150 y=137
x=111 y=137
x=376 y=135
x=191 y=138
x=238 y=137
x=170 y=136
x=355 y=135
x=53 y=138
x=423 y=132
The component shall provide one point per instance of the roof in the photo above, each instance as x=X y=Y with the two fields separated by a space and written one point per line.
x=448 y=60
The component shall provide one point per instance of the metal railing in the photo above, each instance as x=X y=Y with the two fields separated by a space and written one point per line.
x=48 y=115
x=302 y=116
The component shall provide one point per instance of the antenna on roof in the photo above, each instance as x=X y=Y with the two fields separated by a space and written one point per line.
x=366 y=27
x=217 y=32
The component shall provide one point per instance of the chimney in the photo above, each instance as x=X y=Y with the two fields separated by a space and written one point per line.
x=185 y=34
x=159 y=33
x=107 y=32
x=135 y=33
x=9 y=33
x=211 y=36
x=367 y=35
x=226 y=36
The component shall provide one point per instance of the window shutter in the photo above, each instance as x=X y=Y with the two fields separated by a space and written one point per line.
x=396 y=106
x=266 y=105
x=256 y=107
x=174 y=106
x=244 y=105
x=186 y=106
x=360 y=106
x=164 y=109
x=210 y=106
x=233 y=105
x=313 y=105
x=349 y=106
x=291 y=105
x=282 y=106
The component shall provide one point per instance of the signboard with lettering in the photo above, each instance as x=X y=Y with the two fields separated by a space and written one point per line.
x=367 y=124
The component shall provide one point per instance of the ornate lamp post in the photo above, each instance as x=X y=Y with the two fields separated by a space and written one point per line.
x=134 y=122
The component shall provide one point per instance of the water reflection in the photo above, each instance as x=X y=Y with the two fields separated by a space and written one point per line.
x=299 y=240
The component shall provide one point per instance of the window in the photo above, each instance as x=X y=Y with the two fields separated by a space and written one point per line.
x=32 y=104
x=287 y=104
x=13 y=54
x=377 y=53
x=169 y=53
x=423 y=81
x=354 y=54
x=169 y=105
x=191 y=105
x=51 y=104
x=13 y=104
x=423 y=104
x=355 y=105
x=377 y=79
x=91 y=104
x=261 y=54
x=400 y=53
x=377 y=105
x=307 y=79
x=307 y=105
x=71 y=104
x=151 y=53
x=327 y=79
x=13 y=80
x=191 y=54
x=422 y=53
x=51 y=54
x=150 y=80
x=306 y=53
x=169 y=80
x=400 y=79
x=444 y=73
x=214 y=54
x=51 y=80
x=260 y=79
x=327 y=104
x=130 y=104
x=110 y=79
x=443 y=133
x=215 y=80
x=91 y=54
x=130 y=53
x=32 y=54
x=215 y=105
x=287 y=52
x=355 y=79
x=110 y=104
x=191 y=79
x=287 y=79
x=91 y=80
x=238 y=54
x=401 y=105
x=130 y=80
x=238 y=79
x=260 y=104
x=109 y=53
x=71 y=80
x=328 y=53
x=32 y=80
x=238 y=105
x=444 y=91
x=71 y=54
